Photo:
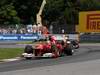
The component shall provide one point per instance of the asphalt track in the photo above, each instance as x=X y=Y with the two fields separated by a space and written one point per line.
x=86 y=52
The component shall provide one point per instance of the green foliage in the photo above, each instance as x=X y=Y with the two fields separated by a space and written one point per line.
x=8 y=14
x=24 y=11
x=60 y=9
x=53 y=10
x=68 y=9
x=86 y=5
x=27 y=10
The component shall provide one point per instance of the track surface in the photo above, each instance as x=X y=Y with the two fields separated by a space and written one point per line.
x=86 y=52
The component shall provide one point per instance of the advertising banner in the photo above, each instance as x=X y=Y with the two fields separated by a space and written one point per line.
x=18 y=37
x=89 y=21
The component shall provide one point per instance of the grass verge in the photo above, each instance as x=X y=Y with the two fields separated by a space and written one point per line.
x=6 y=53
x=90 y=41
x=29 y=42
x=24 y=42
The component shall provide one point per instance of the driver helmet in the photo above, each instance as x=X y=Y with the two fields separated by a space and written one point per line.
x=53 y=38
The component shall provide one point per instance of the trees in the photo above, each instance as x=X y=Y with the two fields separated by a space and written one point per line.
x=27 y=10
x=88 y=5
x=18 y=11
x=66 y=11
x=8 y=14
x=56 y=11
x=60 y=12
x=53 y=10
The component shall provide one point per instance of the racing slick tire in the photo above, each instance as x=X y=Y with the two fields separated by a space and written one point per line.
x=28 y=58
x=28 y=49
x=69 y=50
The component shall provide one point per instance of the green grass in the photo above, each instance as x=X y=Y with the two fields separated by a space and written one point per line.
x=6 y=53
x=25 y=42
x=90 y=41
x=29 y=42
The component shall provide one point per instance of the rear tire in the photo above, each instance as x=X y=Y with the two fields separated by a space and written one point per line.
x=28 y=58
x=68 y=50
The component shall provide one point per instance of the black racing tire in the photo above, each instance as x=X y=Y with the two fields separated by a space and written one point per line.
x=28 y=58
x=68 y=50
x=28 y=49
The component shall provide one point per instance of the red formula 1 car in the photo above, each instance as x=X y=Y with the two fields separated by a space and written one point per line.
x=54 y=50
x=48 y=50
